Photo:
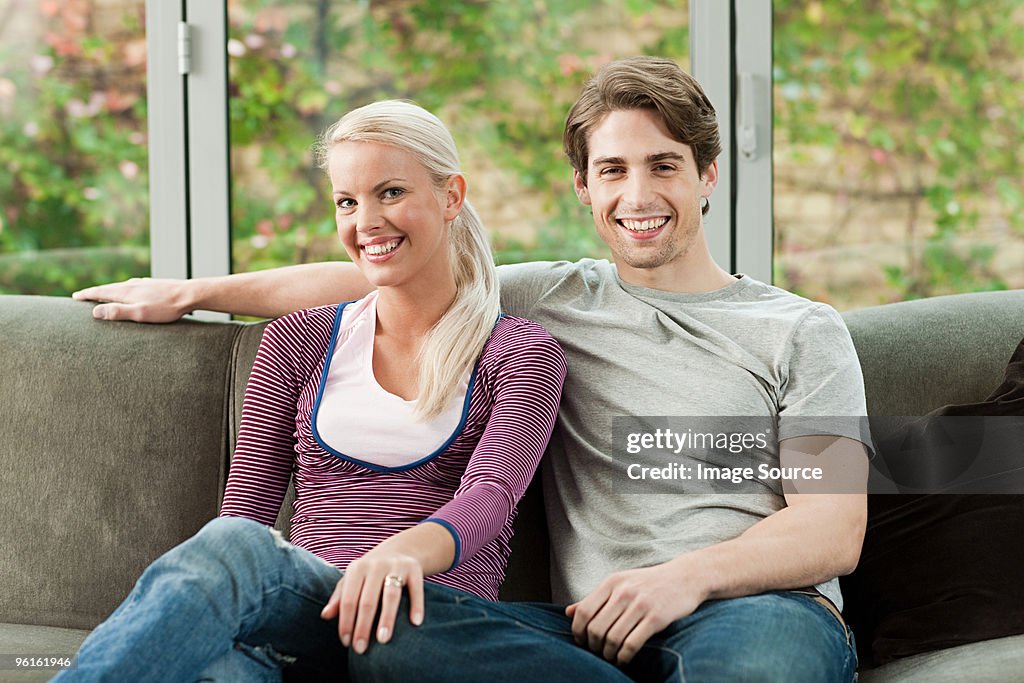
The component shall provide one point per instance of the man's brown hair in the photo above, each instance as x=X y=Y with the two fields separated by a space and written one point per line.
x=653 y=83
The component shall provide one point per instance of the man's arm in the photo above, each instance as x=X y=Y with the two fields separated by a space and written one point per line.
x=266 y=293
x=817 y=537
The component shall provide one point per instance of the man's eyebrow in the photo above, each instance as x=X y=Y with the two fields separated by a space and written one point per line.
x=379 y=186
x=650 y=159
x=608 y=160
x=665 y=156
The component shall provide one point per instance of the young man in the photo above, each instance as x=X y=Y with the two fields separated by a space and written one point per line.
x=658 y=586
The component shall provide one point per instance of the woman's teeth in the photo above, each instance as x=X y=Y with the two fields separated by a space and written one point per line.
x=381 y=249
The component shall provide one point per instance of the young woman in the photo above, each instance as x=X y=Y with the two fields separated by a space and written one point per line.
x=411 y=421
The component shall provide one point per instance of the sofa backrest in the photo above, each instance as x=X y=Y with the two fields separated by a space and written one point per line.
x=114 y=437
x=920 y=355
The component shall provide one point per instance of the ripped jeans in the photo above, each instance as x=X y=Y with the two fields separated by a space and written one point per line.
x=233 y=603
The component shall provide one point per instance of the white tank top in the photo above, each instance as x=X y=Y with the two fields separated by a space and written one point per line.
x=356 y=419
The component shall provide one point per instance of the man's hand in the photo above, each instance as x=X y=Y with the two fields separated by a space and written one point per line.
x=375 y=578
x=629 y=607
x=143 y=300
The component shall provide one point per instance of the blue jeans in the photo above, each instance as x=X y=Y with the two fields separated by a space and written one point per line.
x=233 y=603
x=779 y=636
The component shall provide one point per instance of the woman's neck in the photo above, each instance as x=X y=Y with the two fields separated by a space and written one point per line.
x=408 y=313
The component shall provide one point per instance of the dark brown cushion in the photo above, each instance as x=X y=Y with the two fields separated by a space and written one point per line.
x=942 y=570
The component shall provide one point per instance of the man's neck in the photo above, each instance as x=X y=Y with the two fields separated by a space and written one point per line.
x=694 y=275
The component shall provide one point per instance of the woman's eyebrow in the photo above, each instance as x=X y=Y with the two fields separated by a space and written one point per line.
x=378 y=186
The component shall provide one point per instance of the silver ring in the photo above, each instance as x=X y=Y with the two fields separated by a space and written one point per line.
x=393 y=580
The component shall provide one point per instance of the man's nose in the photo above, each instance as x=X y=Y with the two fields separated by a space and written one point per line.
x=637 y=191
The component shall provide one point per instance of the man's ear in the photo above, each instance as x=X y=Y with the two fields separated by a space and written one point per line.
x=580 y=187
x=454 y=196
x=709 y=180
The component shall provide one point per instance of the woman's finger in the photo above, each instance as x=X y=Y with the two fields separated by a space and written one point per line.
x=330 y=610
x=351 y=588
x=415 y=587
x=366 y=611
x=390 y=599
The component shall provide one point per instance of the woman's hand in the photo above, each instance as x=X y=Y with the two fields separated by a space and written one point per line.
x=144 y=300
x=378 y=577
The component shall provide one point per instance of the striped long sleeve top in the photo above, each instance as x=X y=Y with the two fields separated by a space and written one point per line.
x=343 y=508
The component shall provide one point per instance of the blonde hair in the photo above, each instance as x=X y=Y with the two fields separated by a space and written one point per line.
x=453 y=344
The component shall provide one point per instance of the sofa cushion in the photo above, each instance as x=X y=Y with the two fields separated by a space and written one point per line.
x=112 y=449
x=993 y=661
x=22 y=640
x=939 y=570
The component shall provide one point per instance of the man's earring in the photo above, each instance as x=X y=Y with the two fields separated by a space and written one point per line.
x=705 y=205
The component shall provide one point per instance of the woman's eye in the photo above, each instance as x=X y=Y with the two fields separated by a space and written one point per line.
x=393 y=192
x=345 y=203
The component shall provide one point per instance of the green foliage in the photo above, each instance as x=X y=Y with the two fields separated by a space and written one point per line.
x=919 y=103
x=73 y=163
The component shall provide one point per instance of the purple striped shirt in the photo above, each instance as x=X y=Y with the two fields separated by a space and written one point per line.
x=343 y=509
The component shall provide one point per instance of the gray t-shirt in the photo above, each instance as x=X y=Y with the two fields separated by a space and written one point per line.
x=748 y=349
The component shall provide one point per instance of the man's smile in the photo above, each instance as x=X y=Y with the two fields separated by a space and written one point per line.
x=643 y=228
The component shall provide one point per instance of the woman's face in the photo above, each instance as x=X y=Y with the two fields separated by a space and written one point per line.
x=391 y=218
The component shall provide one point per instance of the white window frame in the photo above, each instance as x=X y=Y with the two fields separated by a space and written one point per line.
x=731 y=56
x=189 y=158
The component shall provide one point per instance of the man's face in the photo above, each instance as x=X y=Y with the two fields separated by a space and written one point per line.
x=644 y=192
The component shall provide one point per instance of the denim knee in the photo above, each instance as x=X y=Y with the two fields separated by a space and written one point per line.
x=224 y=532
x=225 y=538
x=227 y=548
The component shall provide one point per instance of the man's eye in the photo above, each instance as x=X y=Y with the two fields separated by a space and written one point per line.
x=612 y=170
x=667 y=168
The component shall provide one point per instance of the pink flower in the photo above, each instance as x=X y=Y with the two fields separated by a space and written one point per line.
x=254 y=41
x=129 y=169
x=569 y=64
x=40 y=64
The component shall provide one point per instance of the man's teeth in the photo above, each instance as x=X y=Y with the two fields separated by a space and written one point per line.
x=644 y=225
x=381 y=249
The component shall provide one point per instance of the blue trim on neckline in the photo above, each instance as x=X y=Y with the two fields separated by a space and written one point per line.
x=455 y=535
x=369 y=465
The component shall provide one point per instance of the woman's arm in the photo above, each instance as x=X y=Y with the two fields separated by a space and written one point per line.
x=527 y=388
x=261 y=466
x=266 y=293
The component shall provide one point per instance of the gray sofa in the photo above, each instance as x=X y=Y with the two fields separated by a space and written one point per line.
x=114 y=443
